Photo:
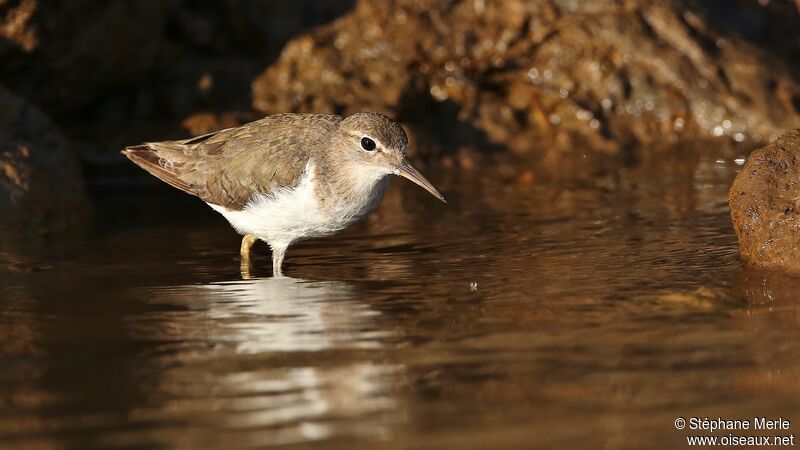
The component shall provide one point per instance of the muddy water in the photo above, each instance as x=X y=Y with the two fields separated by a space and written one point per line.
x=519 y=315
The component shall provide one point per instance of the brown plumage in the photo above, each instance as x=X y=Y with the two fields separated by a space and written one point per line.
x=228 y=166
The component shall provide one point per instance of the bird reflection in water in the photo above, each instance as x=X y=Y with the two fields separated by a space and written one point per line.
x=281 y=358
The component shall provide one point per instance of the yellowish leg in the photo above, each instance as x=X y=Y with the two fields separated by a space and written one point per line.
x=247 y=243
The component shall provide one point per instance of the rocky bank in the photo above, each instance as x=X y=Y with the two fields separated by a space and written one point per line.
x=558 y=78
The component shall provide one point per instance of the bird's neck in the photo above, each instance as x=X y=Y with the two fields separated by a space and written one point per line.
x=342 y=183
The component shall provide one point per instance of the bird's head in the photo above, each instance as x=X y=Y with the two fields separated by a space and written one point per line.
x=376 y=144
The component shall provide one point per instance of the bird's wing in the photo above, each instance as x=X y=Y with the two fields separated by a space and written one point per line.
x=228 y=166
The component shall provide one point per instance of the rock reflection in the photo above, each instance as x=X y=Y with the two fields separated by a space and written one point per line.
x=768 y=287
x=773 y=311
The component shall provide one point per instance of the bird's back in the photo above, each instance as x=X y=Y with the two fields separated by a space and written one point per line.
x=228 y=167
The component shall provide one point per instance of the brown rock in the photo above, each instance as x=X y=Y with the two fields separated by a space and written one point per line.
x=765 y=204
x=206 y=122
x=41 y=188
x=553 y=75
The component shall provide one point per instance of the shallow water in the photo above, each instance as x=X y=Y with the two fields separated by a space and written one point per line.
x=517 y=316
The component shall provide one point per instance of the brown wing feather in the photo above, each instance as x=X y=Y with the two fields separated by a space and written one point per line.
x=148 y=160
x=227 y=167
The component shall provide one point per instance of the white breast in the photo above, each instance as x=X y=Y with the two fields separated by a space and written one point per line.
x=290 y=214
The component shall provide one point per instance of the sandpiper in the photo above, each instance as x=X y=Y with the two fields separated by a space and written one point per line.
x=287 y=177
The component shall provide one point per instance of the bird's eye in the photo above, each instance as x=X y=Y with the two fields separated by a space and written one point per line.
x=367 y=144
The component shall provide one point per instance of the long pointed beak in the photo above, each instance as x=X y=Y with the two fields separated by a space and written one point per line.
x=406 y=170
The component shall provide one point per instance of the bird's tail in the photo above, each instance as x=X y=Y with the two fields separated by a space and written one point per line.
x=147 y=157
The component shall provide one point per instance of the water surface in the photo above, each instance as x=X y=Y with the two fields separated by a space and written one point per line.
x=519 y=315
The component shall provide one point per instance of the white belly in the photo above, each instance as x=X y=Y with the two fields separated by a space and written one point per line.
x=296 y=213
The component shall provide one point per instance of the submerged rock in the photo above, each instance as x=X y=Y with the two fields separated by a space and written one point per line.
x=554 y=75
x=765 y=204
x=41 y=188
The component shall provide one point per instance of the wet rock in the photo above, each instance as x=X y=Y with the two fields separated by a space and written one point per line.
x=41 y=188
x=765 y=204
x=559 y=76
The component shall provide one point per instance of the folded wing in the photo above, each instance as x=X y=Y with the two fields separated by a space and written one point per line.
x=228 y=166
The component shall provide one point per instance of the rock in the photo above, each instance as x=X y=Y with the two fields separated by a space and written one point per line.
x=63 y=55
x=41 y=188
x=145 y=56
x=765 y=204
x=113 y=73
x=557 y=76
x=203 y=123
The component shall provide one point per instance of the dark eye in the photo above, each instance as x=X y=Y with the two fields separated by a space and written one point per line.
x=367 y=144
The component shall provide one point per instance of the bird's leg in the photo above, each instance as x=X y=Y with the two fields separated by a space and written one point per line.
x=247 y=243
x=277 y=260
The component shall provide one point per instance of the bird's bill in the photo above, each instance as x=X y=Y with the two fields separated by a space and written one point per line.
x=408 y=171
